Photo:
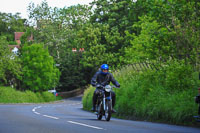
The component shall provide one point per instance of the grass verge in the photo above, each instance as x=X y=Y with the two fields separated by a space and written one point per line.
x=10 y=95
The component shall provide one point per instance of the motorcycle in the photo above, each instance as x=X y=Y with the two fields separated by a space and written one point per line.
x=104 y=102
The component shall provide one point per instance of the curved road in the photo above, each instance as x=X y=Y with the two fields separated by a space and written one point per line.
x=68 y=117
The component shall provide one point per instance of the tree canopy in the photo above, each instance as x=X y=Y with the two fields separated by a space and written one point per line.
x=39 y=70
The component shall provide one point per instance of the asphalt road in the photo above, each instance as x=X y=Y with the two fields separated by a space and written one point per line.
x=67 y=116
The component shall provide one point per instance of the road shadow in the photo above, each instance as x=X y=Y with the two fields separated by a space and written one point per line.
x=103 y=120
x=77 y=98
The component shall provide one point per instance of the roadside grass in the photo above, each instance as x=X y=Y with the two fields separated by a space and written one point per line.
x=166 y=95
x=87 y=98
x=10 y=95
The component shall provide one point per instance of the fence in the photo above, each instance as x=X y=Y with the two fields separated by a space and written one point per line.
x=143 y=66
x=71 y=93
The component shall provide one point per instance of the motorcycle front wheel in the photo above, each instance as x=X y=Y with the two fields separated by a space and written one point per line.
x=108 y=111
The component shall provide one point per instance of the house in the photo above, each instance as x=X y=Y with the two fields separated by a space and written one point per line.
x=17 y=37
x=15 y=48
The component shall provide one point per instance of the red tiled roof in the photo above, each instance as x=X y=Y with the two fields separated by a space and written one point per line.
x=18 y=35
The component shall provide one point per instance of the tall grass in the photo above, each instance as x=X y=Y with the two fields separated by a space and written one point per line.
x=87 y=98
x=166 y=95
x=10 y=95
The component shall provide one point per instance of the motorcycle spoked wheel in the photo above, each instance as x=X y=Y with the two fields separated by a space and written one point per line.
x=99 y=111
x=108 y=111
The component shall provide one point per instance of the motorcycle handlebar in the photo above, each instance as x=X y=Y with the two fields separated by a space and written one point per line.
x=102 y=86
x=99 y=85
x=113 y=86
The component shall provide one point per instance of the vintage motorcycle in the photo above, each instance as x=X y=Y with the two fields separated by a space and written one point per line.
x=104 y=102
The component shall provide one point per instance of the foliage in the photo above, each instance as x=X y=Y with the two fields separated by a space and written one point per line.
x=151 y=44
x=165 y=31
x=12 y=43
x=25 y=38
x=178 y=76
x=10 y=67
x=39 y=71
x=59 y=30
x=87 y=97
x=72 y=77
x=10 y=95
x=10 y=23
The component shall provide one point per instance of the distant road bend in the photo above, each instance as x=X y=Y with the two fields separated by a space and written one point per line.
x=68 y=117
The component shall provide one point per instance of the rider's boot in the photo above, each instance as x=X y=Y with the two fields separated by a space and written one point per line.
x=93 y=109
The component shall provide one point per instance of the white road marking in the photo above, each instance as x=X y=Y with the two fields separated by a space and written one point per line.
x=85 y=125
x=35 y=109
x=51 y=117
x=43 y=115
x=37 y=113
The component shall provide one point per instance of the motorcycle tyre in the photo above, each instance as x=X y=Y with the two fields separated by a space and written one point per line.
x=108 y=112
x=99 y=111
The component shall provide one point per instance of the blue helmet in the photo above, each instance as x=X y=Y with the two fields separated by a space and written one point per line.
x=104 y=67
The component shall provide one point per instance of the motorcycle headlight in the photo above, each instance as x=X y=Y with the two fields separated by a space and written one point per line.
x=108 y=88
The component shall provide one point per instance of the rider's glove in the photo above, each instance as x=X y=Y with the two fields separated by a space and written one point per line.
x=93 y=84
x=118 y=85
x=98 y=85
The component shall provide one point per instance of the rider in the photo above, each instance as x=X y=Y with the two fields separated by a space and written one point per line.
x=103 y=77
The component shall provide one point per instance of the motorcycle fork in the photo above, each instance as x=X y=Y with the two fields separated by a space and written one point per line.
x=111 y=100
x=104 y=101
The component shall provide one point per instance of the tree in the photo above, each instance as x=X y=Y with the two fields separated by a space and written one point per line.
x=173 y=31
x=72 y=76
x=10 y=67
x=114 y=18
x=60 y=31
x=151 y=44
x=10 y=23
x=39 y=71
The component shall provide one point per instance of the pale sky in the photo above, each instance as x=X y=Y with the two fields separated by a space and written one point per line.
x=14 y=6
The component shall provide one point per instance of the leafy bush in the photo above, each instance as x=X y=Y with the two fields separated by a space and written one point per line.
x=12 y=43
x=10 y=67
x=39 y=71
x=87 y=98
x=10 y=95
x=47 y=96
x=178 y=76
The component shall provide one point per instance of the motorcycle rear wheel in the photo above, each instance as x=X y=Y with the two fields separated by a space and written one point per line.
x=99 y=111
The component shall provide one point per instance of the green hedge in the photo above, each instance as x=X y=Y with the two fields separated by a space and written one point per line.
x=166 y=95
x=10 y=95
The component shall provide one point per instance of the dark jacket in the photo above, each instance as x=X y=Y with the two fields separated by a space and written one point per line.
x=103 y=79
